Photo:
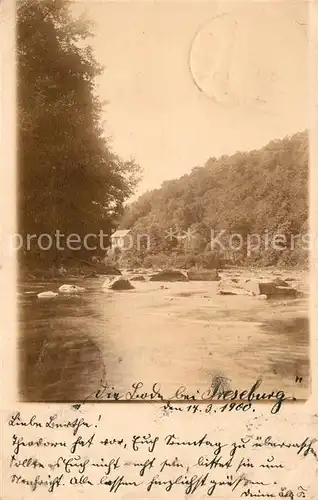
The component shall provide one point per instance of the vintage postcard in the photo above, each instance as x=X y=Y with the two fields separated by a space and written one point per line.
x=157 y=243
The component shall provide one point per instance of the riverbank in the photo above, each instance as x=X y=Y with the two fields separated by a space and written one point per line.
x=88 y=270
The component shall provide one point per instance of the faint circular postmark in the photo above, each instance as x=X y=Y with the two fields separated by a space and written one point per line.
x=238 y=59
x=210 y=58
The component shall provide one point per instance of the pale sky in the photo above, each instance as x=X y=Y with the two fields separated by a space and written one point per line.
x=183 y=87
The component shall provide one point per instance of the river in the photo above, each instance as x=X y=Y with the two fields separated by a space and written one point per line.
x=184 y=334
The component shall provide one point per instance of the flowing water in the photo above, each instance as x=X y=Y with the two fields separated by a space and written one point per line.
x=184 y=334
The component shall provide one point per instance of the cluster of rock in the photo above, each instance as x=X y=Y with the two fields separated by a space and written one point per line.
x=172 y=275
x=255 y=287
x=165 y=275
x=261 y=288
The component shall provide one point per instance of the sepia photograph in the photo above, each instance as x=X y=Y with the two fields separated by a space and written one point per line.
x=163 y=236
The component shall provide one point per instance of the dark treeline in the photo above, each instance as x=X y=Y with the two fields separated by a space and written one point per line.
x=69 y=180
x=263 y=192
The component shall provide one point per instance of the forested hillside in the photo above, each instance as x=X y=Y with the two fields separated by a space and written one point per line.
x=263 y=192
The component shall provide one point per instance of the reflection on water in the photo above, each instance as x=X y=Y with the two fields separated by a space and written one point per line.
x=182 y=335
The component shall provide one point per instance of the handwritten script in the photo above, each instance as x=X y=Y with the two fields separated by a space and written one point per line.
x=217 y=391
x=53 y=453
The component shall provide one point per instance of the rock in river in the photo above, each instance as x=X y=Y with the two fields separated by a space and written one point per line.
x=169 y=275
x=208 y=275
x=119 y=284
x=270 y=288
x=71 y=289
x=47 y=295
x=261 y=288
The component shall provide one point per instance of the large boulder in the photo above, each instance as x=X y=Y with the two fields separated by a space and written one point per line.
x=119 y=283
x=71 y=289
x=270 y=288
x=169 y=275
x=208 y=275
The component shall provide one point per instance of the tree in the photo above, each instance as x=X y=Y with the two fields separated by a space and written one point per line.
x=68 y=177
